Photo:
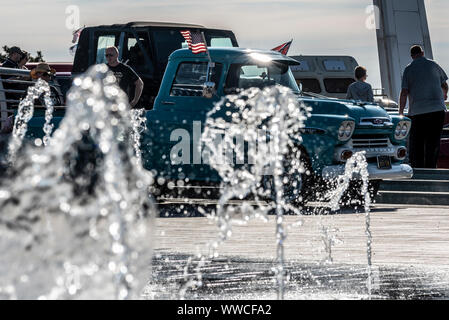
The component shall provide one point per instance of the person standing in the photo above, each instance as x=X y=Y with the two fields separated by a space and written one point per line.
x=45 y=72
x=424 y=84
x=42 y=71
x=14 y=56
x=125 y=75
x=360 y=90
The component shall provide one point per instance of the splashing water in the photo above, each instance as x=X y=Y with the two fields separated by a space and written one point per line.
x=356 y=166
x=261 y=127
x=68 y=210
x=329 y=239
x=48 y=126
x=138 y=121
x=25 y=112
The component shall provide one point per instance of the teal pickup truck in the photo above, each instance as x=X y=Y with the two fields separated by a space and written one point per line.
x=335 y=130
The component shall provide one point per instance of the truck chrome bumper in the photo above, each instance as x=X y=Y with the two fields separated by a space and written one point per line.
x=398 y=171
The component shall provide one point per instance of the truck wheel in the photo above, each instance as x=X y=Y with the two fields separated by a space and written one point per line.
x=297 y=178
x=297 y=185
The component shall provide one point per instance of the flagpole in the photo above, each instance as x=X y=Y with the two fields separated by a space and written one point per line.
x=210 y=64
x=205 y=44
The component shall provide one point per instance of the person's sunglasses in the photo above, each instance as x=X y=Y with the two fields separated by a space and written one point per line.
x=109 y=55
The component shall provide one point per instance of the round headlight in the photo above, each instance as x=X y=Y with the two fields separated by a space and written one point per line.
x=404 y=129
x=401 y=130
x=348 y=130
x=345 y=131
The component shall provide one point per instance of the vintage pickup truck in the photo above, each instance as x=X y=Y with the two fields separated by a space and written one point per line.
x=334 y=132
x=336 y=129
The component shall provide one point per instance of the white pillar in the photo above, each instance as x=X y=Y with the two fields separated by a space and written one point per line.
x=402 y=24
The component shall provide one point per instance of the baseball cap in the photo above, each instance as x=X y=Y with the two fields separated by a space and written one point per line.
x=15 y=50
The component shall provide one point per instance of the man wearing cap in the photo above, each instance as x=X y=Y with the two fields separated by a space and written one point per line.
x=13 y=59
x=14 y=56
x=424 y=84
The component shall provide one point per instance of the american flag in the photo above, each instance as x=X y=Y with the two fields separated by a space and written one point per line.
x=283 y=48
x=194 y=41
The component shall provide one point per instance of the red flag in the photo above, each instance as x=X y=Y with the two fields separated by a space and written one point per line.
x=283 y=48
x=194 y=41
x=76 y=34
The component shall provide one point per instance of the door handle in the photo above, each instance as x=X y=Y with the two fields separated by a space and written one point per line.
x=168 y=103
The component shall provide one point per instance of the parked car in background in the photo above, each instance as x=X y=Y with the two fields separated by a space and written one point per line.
x=331 y=76
x=144 y=46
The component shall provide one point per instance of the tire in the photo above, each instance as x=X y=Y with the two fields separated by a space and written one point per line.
x=297 y=178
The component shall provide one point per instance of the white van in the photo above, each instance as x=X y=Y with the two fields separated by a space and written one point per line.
x=330 y=76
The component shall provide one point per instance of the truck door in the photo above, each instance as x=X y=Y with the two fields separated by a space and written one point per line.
x=136 y=53
x=176 y=124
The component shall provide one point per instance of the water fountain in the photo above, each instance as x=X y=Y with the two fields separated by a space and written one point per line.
x=25 y=112
x=356 y=167
x=66 y=219
x=249 y=118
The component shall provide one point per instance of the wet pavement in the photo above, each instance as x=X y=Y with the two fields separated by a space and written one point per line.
x=325 y=255
x=238 y=278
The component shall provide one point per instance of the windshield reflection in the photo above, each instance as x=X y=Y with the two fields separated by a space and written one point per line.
x=244 y=76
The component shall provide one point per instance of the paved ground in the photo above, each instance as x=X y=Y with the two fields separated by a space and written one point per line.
x=410 y=236
x=410 y=256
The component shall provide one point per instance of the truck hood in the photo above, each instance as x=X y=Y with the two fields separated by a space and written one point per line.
x=346 y=108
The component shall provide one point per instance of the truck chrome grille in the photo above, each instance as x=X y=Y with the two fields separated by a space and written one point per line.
x=376 y=122
x=370 y=143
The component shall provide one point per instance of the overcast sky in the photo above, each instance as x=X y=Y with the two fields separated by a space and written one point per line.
x=335 y=27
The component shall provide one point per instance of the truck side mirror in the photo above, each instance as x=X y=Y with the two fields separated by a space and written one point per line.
x=208 y=89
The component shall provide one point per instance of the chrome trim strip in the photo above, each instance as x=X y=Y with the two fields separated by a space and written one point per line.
x=386 y=122
x=397 y=171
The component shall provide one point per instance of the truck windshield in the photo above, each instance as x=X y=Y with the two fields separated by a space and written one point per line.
x=191 y=76
x=244 y=76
